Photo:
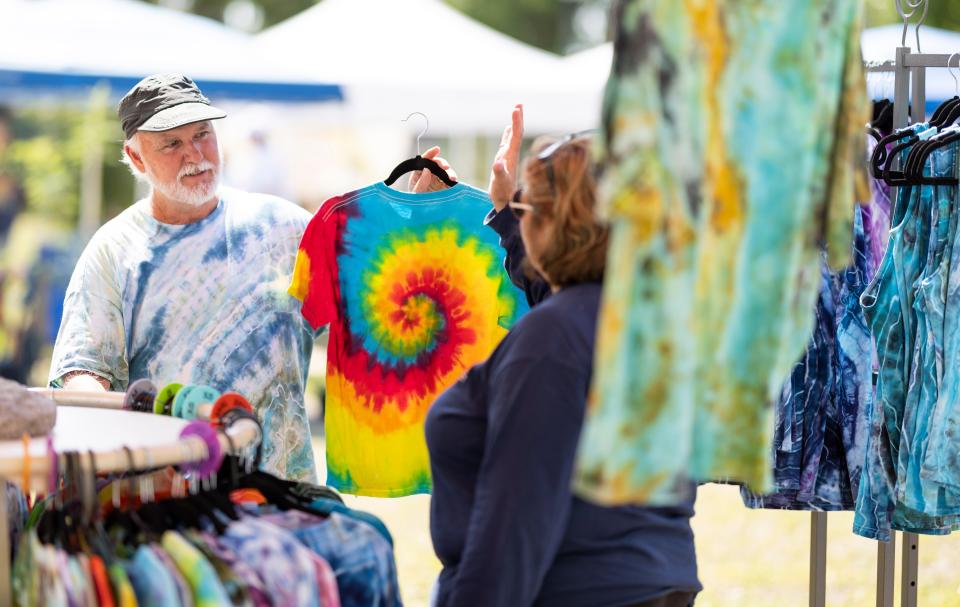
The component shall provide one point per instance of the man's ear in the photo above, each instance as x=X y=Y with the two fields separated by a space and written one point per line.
x=135 y=159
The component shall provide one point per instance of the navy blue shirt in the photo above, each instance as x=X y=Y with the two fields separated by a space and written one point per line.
x=502 y=442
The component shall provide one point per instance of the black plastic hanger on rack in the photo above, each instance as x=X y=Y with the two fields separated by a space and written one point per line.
x=891 y=177
x=882 y=121
x=948 y=111
x=918 y=160
x=418 y=162
x=881 y=155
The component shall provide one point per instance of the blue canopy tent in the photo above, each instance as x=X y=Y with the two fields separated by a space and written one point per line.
x=62 y=48
x=27 y=83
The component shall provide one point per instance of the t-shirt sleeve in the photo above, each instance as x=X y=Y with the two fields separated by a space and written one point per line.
x=92 y=336
x=315 y=275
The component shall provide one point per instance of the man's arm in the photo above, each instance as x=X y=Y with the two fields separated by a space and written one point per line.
x=84 y=380
x=90 y=351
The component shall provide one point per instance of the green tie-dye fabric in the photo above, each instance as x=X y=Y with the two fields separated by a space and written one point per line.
x=733 y=137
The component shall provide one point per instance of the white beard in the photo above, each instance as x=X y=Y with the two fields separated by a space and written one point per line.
x=195 y=196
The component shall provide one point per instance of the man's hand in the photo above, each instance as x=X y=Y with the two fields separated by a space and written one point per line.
x=503 y=173
x=425 y=181
x=82 y=380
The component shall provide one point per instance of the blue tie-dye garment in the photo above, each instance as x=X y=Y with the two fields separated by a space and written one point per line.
x=927 y=370
x=890 y=306
x=820 y=431
x=204 y=303
x=939 y=460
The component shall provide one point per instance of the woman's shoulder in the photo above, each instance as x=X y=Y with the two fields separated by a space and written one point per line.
x=562 y=326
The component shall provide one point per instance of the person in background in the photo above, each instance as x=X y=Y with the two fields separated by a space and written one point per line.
x=502 y=441
x=189 y=284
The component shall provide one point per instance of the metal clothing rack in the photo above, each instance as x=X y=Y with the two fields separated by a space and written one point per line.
x=35 y=466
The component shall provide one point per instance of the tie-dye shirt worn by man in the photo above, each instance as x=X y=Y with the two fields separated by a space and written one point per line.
x=415 y=292
x=203 y=303
x=733 y=142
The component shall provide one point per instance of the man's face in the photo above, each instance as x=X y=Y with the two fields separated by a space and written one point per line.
x=183 y=163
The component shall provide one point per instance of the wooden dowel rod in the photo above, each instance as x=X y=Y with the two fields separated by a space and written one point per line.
x=83 y=398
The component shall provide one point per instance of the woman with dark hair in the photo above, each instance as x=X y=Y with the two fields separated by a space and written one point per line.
x=502 y=441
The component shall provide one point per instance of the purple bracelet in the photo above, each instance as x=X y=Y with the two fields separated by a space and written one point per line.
x=214 y=453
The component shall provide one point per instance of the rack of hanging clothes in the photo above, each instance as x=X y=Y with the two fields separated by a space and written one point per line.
x=919 y=163
x=919 y=160
x=908 y=481
x=33 y=464
x=214 y=530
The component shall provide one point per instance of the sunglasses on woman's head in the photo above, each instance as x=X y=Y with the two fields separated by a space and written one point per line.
x=547 y=152
x=520 y=208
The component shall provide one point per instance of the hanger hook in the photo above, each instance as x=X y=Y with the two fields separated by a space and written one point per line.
x=906 y=15
x=923 y=17
x=426 y=127
x=956 y=83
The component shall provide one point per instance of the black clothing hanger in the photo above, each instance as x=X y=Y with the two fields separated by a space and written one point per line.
x=946 y=113
x=939 y=114
x=881 y=155
x=418 y=162
x=924 y=154
x=882 y=120
x=276 y=491
x=913 y=166
x=892 y=177
x=949 y=116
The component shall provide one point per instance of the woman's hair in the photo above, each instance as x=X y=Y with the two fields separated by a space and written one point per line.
x=577 y=249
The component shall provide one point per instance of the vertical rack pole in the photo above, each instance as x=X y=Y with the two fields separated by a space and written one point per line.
x=818 y=559
x=910 y=561
x=901 y=88
x=909 y=565
x=918 y=94
x=886 y=557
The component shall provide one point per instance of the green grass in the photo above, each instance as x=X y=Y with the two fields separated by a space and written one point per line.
x=757 y=558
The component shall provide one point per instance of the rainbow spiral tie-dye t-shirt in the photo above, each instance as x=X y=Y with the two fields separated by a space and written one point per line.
x=415 y=293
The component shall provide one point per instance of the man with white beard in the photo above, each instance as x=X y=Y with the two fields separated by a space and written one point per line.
x=189 y=285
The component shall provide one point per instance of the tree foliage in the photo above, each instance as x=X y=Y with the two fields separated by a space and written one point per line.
x=46 y=156
x=274 y=11
x=544 y=23
x=944 y=14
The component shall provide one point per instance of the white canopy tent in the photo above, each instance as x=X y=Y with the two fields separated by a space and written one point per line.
x=63 y=47
x=394 y=57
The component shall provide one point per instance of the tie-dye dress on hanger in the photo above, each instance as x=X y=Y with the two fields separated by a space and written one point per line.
x=415 y=293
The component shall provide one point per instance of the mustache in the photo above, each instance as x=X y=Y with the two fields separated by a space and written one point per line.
x=194 y=169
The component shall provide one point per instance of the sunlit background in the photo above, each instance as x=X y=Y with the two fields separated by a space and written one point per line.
x=316 y=93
